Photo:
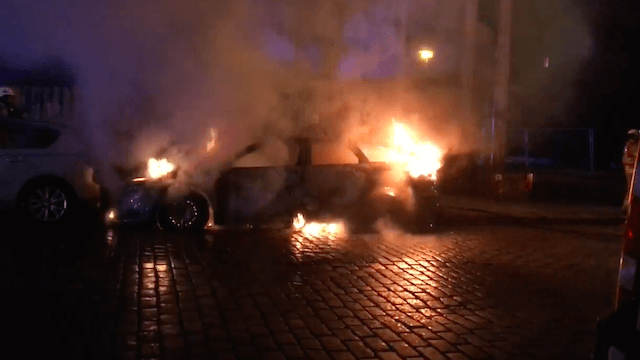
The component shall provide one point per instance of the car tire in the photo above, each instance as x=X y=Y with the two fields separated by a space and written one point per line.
x=48 y=202
x=187 y=213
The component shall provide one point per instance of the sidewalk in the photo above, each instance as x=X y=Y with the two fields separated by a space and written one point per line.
x=570 y=212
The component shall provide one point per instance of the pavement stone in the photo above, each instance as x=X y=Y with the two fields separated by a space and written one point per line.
x=476 y=292
x=536 y=210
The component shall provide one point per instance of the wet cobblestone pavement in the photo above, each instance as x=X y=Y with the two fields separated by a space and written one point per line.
x=473 y=292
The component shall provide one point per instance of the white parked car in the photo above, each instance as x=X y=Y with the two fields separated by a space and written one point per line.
x=44 y=171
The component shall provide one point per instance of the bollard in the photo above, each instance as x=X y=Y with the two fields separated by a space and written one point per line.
x=498 y=186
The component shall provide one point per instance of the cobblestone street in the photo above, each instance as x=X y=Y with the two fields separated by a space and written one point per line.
x=475 y=291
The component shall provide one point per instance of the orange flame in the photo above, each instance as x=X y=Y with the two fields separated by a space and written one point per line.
x=419 y=158
x=317 y=229
x=212 y=143
x=159 y=168
x=410 y=155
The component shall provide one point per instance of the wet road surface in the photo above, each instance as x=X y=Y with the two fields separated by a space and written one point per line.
x=479 y=290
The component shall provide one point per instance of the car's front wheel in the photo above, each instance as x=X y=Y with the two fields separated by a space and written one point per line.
x=188 y=213
x=48 y=202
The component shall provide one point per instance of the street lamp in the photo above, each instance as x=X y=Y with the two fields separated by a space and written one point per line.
x=425 y=55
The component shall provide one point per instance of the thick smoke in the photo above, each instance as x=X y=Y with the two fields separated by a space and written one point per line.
x=158 y=74
x=151 y=73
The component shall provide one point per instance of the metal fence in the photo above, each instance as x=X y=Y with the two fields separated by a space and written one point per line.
x=548 y=147
x=46 y=103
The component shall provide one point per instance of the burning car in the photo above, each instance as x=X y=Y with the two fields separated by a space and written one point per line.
x=328 y=182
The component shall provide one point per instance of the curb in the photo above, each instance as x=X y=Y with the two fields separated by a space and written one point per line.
x=608 y=220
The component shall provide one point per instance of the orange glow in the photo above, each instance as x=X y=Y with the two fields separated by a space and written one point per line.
x=298 y=221
x=420 y=158
x=111 y=216
x=159 y=168
x=318 y=229
x=426 y=55
x=415 y=157
x=213 y=140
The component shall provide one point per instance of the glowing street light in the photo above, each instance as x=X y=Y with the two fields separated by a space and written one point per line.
x=425 y=55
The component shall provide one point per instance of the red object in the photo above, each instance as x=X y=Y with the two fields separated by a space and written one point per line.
x=528 y=184
x=512 y=184
x=498 y=185
x=629 y=158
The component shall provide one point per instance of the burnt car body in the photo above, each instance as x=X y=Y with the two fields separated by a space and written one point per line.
x=357 y=191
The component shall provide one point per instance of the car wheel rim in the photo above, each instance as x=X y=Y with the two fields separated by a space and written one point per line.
x=48 y=204
x=184 y=215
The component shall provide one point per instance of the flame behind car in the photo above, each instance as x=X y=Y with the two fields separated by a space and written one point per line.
x=412 y=156
x=159 y=168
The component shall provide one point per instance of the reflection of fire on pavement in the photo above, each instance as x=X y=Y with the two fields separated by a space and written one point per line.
x=318 y=229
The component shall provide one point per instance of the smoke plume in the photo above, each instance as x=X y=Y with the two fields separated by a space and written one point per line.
x=159 y=74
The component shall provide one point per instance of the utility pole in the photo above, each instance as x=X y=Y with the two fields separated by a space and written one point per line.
x=501 y=90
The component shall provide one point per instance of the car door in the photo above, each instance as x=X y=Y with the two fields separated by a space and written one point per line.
x=260 y=194
x=334 y=182
x=12 y=138
x=23 y=156
x=248 y=194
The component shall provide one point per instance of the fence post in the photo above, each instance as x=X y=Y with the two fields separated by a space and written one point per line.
x=67 y=104
x=46 y=103
x=22 y=100
x=591 y=150
x=55 y=103
x=526 y=148
x=36 y=103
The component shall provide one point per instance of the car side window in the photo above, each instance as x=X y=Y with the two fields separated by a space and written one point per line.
x=12 y=138
x=26 y=137
x=42 y=138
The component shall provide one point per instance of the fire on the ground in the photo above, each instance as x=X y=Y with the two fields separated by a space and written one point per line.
x=317 y=228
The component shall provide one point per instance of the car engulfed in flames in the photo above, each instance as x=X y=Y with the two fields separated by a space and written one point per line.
x=154 y=196
x=410 y=187
x=398 y=180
